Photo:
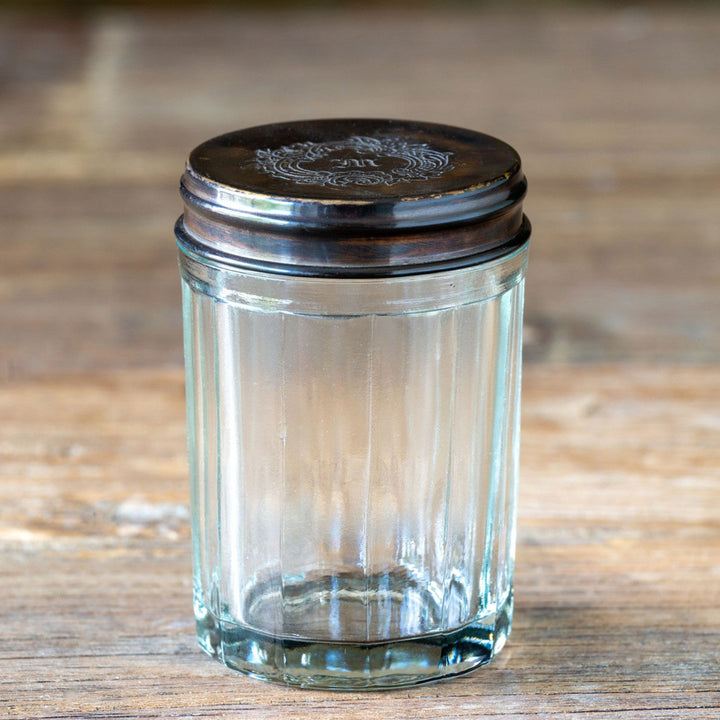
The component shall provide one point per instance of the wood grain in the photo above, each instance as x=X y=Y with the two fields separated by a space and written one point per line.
x=618 y=581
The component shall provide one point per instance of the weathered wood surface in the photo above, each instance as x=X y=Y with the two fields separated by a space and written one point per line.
x=617 y=115
x=618 y=569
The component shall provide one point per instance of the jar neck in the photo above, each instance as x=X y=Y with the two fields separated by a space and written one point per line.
x=266 y=291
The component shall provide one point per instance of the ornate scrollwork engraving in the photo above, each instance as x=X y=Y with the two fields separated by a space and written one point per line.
x=357 y=160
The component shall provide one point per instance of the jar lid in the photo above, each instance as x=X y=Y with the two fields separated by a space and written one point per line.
x=353 y=198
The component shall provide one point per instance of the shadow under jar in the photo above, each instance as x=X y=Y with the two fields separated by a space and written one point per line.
x=352 y=294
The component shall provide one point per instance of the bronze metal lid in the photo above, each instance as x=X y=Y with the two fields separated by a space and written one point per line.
x=353 y=198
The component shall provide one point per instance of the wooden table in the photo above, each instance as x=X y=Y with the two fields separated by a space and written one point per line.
x=617 y=115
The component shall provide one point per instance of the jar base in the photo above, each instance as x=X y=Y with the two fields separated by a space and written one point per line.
x=319 y=664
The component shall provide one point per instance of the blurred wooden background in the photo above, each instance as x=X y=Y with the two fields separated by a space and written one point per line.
x=616 y=112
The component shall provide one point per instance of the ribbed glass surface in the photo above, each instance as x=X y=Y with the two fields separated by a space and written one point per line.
x=353 y=472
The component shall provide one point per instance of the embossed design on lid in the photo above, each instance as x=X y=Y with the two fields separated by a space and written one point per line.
x=357 y=160
x=352 y=198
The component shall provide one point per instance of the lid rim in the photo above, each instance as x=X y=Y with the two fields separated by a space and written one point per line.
x=189 y=245
x=344 y=216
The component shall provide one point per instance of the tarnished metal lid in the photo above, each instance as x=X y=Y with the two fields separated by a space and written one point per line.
x=353 y=198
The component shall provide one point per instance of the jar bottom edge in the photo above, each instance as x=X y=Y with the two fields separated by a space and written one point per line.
x=354 y=666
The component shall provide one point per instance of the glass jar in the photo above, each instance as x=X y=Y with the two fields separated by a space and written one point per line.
x=352 y=294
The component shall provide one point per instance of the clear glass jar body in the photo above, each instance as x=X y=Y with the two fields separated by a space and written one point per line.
x=353 y=453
